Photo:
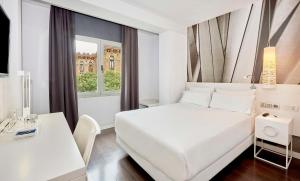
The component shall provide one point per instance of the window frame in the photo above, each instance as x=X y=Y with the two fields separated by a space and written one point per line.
x=99 y=64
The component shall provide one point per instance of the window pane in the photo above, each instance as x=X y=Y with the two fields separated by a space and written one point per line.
x=112 y=68
x=86 y=66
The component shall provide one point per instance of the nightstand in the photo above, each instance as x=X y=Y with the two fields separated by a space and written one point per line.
x=277 y=130
x=148 y=103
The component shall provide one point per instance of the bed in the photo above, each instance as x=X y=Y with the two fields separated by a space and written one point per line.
x=183 y=141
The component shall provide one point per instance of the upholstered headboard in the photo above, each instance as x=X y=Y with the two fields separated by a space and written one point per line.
x=285 y=96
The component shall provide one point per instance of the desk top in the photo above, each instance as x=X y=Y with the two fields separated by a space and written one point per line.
x=51 y=154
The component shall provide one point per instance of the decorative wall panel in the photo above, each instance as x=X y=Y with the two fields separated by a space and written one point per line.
x=229 y=48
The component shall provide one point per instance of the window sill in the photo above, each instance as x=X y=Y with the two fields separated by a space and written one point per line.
x=94 y=95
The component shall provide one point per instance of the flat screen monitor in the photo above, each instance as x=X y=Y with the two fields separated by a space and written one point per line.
x=4 y=42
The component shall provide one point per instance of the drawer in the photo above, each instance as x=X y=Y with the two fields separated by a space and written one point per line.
x=272 y=131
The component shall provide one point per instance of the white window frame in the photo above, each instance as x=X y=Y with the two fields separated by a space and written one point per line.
x=99 y=61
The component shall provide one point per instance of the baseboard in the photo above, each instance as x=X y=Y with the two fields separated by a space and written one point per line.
x=107 y=126
x=278 y=149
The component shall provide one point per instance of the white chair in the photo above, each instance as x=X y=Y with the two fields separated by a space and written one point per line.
x=85 y=133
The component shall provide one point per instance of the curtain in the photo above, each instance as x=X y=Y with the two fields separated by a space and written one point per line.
x=62 y=75
x=130 y=82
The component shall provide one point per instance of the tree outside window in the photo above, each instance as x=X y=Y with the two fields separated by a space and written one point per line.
x=98 y=66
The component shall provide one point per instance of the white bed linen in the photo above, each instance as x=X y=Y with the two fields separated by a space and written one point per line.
x=182 y=139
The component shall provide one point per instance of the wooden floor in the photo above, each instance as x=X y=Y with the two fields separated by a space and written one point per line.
x=108 y=163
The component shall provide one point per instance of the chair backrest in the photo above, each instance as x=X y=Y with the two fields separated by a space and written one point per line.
x=85 y=133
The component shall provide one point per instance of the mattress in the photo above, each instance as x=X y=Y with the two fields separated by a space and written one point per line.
x=182 y=139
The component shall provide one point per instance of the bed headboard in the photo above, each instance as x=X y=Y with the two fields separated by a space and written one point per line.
x=285 y=96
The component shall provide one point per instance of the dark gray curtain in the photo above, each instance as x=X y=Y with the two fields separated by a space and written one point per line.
x=62 y=75
x=130 y=81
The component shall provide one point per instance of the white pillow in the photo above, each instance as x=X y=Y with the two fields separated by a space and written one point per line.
x=245 y=92
x=198 y=98
x=232 y=102
x=201 y=89
x=236 y=91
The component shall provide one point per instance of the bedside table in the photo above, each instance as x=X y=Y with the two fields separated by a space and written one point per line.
x=277 y=130
x=148 y=103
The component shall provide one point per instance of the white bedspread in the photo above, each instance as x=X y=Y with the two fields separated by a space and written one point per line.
x=182 y=139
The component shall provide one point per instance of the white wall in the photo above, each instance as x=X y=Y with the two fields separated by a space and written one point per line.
x=35 y=44
x=148 y=65
x=35 y=31
x=102 y=109
x=172 y=66
x=9 y=89
x=35 y=59
x=4 y=93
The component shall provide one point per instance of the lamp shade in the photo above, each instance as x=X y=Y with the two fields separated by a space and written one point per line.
x=269 y=67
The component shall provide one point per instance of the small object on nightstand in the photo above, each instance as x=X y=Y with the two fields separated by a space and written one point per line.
x=148 y=103
x=265 y=114
x=277 y=130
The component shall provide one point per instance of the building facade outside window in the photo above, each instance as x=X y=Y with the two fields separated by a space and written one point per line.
x=111 y=62
x=98 y=66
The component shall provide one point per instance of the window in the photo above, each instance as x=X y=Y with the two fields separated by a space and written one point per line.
x=111 y=66
x=81 y=67
x=111 y=62
x=98 y=66
x=91 y=66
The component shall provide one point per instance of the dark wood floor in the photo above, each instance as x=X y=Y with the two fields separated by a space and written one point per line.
x=108 y=163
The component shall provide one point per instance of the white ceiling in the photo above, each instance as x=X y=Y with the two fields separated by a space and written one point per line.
x=153 y=15
x=189 y=12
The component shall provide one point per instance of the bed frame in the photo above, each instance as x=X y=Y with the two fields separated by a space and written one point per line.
x=205 y=174
x=211 y=170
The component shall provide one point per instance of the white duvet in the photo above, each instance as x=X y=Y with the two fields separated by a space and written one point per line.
x=182 y=139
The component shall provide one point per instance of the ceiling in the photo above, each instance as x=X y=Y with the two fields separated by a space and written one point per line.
x=153 y=15
x=189 y=12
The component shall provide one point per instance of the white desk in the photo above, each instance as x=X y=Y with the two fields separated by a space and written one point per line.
x=52 y=154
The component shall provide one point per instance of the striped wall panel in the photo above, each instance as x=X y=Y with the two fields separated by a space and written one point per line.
x=229 y=48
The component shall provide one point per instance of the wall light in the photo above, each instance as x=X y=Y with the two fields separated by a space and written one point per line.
x=269 y=67
x=269 y=61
